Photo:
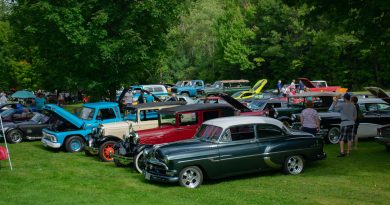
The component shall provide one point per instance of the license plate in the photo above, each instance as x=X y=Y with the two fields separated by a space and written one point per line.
x=147 y=176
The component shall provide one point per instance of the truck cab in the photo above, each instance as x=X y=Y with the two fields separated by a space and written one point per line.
x=191 y=88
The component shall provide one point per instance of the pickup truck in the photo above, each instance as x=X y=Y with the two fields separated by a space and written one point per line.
x=321 y=86
x=227 y=86
x=192 y=88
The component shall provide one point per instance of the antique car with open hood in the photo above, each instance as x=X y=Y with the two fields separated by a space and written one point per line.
x=256 y=89
x=176 y=123
x=139 y=117
x=231 y=146
x=72 y=131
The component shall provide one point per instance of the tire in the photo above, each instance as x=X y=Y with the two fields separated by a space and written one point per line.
x=117 y=162
x=286 y=123
x=105 y=151
x=74 y=144
x=294 y=164
x=139 y=162
x=14 y=136
x=334 y=135
x=185 y=94
x=191 y=177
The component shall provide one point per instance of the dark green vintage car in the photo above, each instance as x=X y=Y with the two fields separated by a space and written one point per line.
x=230 y=146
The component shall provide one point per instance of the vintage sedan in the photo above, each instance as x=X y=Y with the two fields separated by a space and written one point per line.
x=383 y=136
x=230 y=146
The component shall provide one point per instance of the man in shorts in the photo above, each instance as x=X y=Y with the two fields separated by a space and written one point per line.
x=348 y=118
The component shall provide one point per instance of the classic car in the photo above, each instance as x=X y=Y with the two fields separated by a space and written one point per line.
x=226 y=99
x=383 y=136
x=31 y=129
x=296 y=103
x=321 y=86
x=176 y=123
x=231 y=146
x=192 y=88
x=256 y=89
x=227 y=86
x=71 y=131
x=376 y=113
x=16 y=115
x=379 y=93
x=141 y=117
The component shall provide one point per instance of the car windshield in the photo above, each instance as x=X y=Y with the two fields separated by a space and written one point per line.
x=168 y=119
x=7 y=112
x=37 y=117
x=256 y=105
x=208 y=133
x=87 y=113
x=217 y=84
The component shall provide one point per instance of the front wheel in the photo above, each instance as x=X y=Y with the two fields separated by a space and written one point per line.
x=14 y=136
x=139 y=162
x=191 y=177
x=106 y=150
x=294 y=164
x=74 y=144
x=334 y=135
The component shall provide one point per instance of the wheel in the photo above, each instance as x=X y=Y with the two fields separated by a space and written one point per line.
x=191 y=177
x=185 y=94
x=74 y=144
x=294 y=164
x=139 y=162
x=14 y=136
x=105 y=151
x=286 y=123
x=334 y=135
x=117 y=162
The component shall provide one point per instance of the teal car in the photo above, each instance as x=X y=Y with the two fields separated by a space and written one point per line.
x=70 y=131
x=230 y=146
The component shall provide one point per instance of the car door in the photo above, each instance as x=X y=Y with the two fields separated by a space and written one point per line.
x=271 y=142
x=147 y=119
x=238 y=150
x=384 y=111
x=371 y=119
x=186 y=126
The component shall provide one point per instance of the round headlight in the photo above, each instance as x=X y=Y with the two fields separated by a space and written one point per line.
x=135 y=138
x=101 y=131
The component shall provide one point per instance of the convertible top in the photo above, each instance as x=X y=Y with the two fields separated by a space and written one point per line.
x=196 y=107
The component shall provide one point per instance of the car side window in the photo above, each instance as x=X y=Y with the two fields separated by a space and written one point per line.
x=372 y=107
x=188 y=119
x=383 y=107
x=158 y=89
x=268 y=130
x=146 y=115
x=241 y=132
x=277 y=105
x=107 y=113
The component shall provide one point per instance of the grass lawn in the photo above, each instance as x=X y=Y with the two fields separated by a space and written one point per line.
x=44 y=176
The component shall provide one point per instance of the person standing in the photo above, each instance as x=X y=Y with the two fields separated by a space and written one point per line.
x=301 y=86
x=141 y=97
x=3 y=98
x=40 y=102
x=279 y=86
x=292 y=85
x=309 y=118
x=359 y=116
x=348 y=118
x=149 y=98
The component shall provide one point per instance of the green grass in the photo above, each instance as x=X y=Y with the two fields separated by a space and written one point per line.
x=43 y=176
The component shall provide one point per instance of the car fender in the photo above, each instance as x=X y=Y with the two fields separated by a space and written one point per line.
x=107 y=138
x=141 y=147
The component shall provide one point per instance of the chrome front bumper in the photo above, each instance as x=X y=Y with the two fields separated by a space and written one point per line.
x=48 y=143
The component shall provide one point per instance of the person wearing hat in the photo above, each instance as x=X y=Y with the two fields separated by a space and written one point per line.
x=348 y=118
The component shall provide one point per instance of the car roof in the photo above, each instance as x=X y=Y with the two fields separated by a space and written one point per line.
x=234 y=81
x=155 y=104
x=226 y=122
x=371 y=100
x=100 y=104
x=196 y=107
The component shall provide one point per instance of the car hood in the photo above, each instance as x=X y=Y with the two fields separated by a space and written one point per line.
x=62 y=113
x=235 y=103
x=259 y=86
x=183 y=147
x=307 y=82
x=377 y=92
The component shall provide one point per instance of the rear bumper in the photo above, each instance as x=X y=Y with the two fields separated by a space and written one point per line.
x=48 y=143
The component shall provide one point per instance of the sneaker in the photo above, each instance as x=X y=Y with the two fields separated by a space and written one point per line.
x=341 y=155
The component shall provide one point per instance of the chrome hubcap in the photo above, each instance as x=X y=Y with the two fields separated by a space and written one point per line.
x=16 y=137
x=295 y=165
x=334 y=136
x=190 y=178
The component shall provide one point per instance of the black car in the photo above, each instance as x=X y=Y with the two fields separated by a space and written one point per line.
x=376 y=113
x=383 y=136
x=16 y=132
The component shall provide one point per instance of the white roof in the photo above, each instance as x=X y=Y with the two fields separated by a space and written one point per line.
x=226 y=122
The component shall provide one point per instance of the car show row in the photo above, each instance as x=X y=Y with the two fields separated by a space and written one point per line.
x=233 y=129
